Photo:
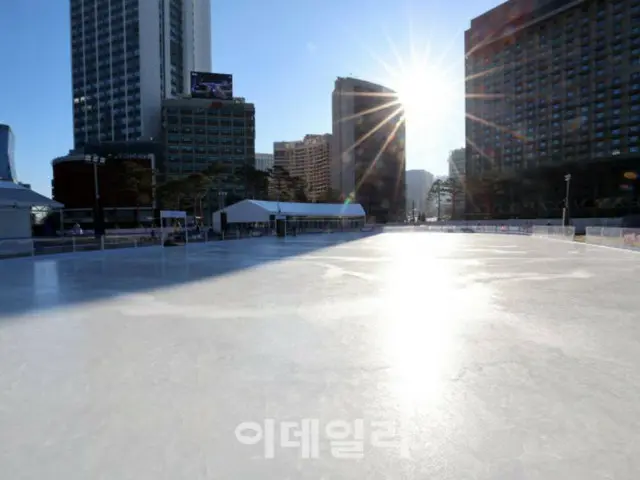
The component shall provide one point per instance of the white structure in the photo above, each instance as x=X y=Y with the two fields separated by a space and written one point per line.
x=418 y=184
x=126 y=57
x=16 y=203
x=308 y=159
x=261 y=211
x=264 y=161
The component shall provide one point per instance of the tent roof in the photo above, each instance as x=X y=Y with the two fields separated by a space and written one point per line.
x=311 y=209
x=15 y=195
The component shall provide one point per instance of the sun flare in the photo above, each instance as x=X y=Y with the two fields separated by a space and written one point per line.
x=425 y=94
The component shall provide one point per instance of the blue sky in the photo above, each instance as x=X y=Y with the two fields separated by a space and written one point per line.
x=284 y=56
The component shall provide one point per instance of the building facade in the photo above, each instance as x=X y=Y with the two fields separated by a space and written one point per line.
x=553 y=87
x=457 y=174
x=126 y=57
x=368 y=151
x=418 y=184
x=264 y=161
x=457 y=162
x=198 y=133
x=7 y=153
x=122 y=201
x=308 y=160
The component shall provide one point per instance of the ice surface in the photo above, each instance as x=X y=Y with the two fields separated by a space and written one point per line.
x=496 y=357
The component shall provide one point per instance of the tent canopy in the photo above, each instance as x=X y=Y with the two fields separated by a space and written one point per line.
x=14 y=195
x=259 y=211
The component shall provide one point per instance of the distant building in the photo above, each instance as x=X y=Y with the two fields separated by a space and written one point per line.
x=308 y=159
x=264 y=161
x=368 y=151
x=457 y=164
x=198 y=133
x=418 y=184
x=73 y=183
x=457 y=172
x=7 y=152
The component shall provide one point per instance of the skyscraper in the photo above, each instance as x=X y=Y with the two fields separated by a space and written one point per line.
x=368 y=151
x=127 y=56
x=553 y=87
x=7 y=146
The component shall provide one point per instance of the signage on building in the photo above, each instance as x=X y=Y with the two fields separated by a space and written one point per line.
x=218 y=86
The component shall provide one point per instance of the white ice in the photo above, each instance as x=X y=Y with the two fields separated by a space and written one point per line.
x=493 y=357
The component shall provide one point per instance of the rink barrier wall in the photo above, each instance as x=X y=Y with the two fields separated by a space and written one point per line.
x=38 y=246
x=553 y=231
x=625 y=238
x=448 y=228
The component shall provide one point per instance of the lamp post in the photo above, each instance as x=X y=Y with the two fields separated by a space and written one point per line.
x=221 y=199
x=565 y=210
x=98 y=221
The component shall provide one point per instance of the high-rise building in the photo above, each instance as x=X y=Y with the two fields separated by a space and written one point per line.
x=553 y=87
x=418 y=184
x=198 y=133
x=264 y=161
x=457 y=164
x=7 y=151
x=457 y=174
x=309 y=160
x=126 y=57
x=368 y=152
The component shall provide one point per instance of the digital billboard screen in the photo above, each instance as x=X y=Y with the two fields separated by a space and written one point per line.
x=212 y=85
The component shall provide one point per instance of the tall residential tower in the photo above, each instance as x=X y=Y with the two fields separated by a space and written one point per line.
x=128 y=55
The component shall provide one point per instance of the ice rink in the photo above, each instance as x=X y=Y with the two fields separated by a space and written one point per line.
x=461 y=356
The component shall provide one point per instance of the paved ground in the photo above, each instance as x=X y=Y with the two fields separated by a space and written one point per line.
x=489 y=357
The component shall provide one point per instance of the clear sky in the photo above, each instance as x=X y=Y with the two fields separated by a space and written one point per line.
x=284 y=56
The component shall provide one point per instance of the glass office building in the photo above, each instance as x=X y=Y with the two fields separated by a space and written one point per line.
x=126 y=57
x=7 y=149
x=368 y=151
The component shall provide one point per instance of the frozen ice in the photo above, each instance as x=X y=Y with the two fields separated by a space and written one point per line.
x=492 y=356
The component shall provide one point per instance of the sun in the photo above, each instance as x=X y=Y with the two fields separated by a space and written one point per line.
x=426 y=94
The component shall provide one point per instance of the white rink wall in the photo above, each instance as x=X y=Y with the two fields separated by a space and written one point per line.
x=557 y=232
x=627 y=238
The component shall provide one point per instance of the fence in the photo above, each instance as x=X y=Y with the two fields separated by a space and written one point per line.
x=31 y=247
x=627 y=238
x=557 y=232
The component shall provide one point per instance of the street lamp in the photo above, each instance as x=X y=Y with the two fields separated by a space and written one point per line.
x=565 y=210
x=98 y=223
x=221 y=199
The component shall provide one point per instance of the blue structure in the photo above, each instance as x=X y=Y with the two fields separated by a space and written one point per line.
x=7 y=148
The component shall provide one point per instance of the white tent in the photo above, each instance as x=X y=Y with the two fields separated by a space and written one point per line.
x=260 y=211
x=16 y=202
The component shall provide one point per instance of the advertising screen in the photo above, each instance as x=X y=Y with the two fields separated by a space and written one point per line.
x=212 y=85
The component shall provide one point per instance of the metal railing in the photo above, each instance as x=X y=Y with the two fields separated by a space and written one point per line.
x=551 y=231
x=627 y=238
